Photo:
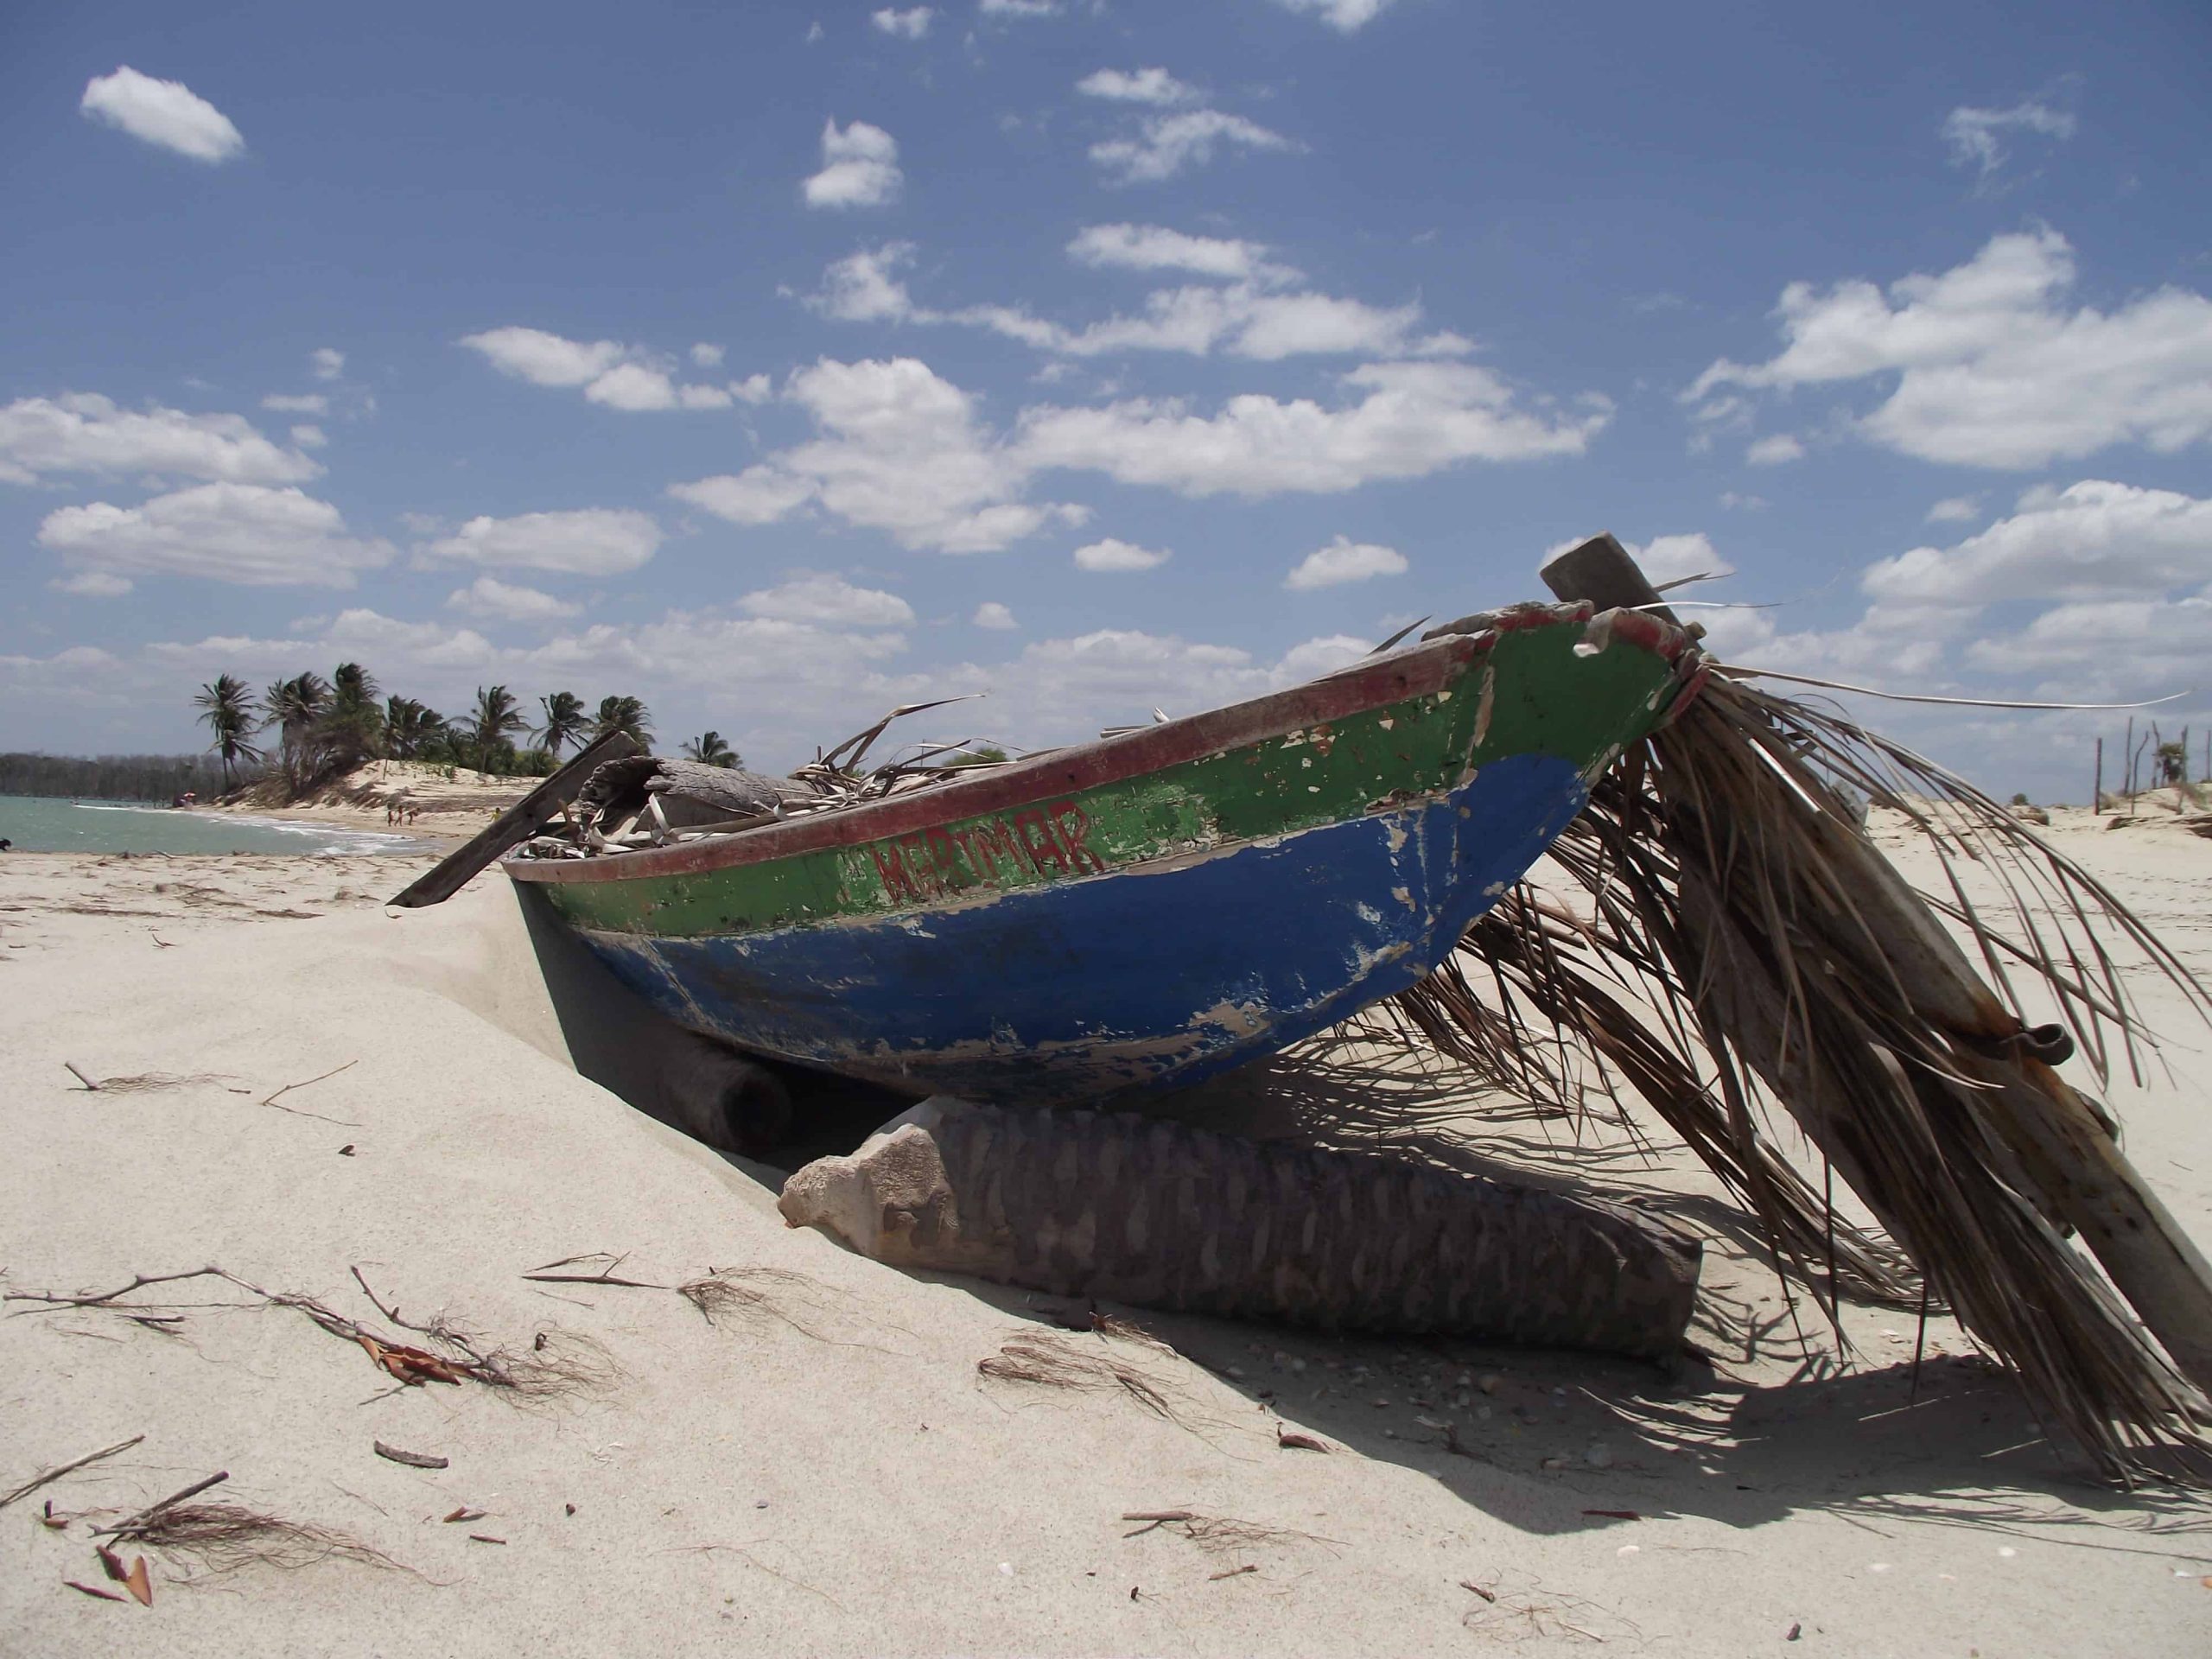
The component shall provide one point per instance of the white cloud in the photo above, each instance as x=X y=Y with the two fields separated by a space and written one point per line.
x=863 y=287
x=1992 y=369
x=759 y=495
x=310 y=437
x=243 y=533
x=612 y=375
x=1973 y=134
x=1242 y=318
x=489 y=596
x=93 y=584
x=1344 y=560
x=1412 y=419
x=831 y=601
x=753 y=389
x=1345 y=16
x=1669 y=558
x=704 y=356
x=544 y=359
x=900 y=450
x=1154 y=86
x=909 y=24
x=1152 y=247
x=584 y=541
x=313 y=403
x=1774 y=450
x=991 y=614
x=81 y=432
x=1117 y=556
x=2096 y=540
x=1955 y=509
x=1018 y=8
x=327 y=362
x=1736 y=500
x=164 y=112
x=860 y=167
x=1166 y=144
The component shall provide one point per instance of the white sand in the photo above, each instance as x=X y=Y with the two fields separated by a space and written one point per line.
x=854 y=1487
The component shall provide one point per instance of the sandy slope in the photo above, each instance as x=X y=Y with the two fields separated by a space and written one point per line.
x=448 y=808
x=840 y=1480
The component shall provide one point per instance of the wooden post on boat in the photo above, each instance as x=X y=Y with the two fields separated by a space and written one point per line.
x=2074 y=1165
x=515 y=825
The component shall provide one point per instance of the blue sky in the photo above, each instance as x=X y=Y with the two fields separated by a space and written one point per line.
x=778 y=363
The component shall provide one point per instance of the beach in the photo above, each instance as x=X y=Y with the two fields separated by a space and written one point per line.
x=330 y=1100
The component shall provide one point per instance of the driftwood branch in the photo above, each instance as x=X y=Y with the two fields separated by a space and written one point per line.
x=55 y=1473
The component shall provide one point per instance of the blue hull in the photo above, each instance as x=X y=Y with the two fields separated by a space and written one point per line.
x=1145 y=979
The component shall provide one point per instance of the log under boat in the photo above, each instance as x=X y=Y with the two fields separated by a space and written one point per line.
x=1144 y=912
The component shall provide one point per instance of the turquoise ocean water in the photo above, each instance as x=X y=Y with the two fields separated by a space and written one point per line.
x=38 y=825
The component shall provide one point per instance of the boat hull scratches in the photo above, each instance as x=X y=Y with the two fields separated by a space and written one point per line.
x=1127 y=984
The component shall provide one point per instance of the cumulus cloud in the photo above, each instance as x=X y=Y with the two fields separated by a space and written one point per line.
x=582 y=542
x=899 y=449
x=991 y=614
x=1955 y=509
x=1018 y=8
x=1409 y=420
x=164 y=112
x=1166 y=144
x=1992 y=369
x=909 y=24
x=2094 y=540
x=1774 y=450
x=544 y=359
x=860 y=167
x=82 y=432
x=489 y=596
x=93 y=584
x=313 y=403
x=1153 y=247
x=1344 y=560
x=1154 y=86
x=1974 y=135
x=327 y=362
x=1345 y=16
x=1246 y=319
x=829 y=600
x=704 y=356
x=310 y=437
x=1117 y=556
x=612 y=375
x=244 y=533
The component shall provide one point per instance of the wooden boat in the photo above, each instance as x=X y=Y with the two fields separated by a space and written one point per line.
x=1141 y=912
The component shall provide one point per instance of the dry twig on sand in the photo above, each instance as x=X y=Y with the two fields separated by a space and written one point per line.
x=60 y=1470
x=558 y=1364
x=342 y=1123
x=1219 y=1532
x=1052 y=1361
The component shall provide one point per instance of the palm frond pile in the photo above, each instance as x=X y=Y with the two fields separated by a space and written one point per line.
x=1738 y=944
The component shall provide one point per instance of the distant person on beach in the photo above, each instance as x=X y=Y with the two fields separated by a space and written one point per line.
x=5 y=844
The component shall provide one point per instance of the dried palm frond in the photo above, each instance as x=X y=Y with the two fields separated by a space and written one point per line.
x=1737 y=943
x=224 y=1537
x=1049 y=1360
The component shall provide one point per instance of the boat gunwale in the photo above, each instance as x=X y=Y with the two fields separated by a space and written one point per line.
x=1421 y=671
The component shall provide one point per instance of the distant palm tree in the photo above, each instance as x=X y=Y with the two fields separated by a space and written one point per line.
x=410 y=726
x=623 y=715
x=229 y=714
x=293 y=706
x=353 y=728
x=708 y=749
x=496 y=720
x=564 y=722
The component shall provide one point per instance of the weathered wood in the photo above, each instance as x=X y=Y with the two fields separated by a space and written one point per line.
x=1601 y=571
x=515 y=825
